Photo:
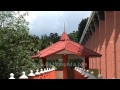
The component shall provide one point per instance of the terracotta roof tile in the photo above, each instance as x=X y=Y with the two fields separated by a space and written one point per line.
x=65 y=44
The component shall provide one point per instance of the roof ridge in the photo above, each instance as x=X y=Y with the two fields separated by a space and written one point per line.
x=64 y=37
x=76 y=43
x=44 y=50
x=65 y=43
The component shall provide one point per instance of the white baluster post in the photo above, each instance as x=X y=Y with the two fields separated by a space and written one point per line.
x=37 y=74
x=23 y=76
x=99 y=76
x=11 y=76
x=31 y=75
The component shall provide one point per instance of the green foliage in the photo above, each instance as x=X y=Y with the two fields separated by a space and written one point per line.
x=76 y=35
x=81 y=28
x=56 y=64
x=73 y=36
x=16 y=45
x=74 y=63
x=48 y=40
x=54 y=37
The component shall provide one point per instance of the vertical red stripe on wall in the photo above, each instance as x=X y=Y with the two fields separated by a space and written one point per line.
x=110 y=34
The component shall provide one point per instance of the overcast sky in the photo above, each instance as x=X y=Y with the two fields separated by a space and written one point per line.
x=45 y=22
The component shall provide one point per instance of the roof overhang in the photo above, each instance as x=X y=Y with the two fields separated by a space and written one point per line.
x=65 y=46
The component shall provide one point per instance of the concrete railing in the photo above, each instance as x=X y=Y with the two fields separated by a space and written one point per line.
x=47 y=73
x=80 y=73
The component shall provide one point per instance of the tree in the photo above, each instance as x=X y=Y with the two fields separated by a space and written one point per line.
x=54 y=37
x=73 y=36
x=48 y=40
x=81 y=28
x=15 y=44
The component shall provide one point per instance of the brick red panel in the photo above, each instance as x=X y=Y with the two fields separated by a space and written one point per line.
x=109 y=26
x=117 y=41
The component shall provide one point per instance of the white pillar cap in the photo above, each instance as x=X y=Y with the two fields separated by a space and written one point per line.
x=41 y=71
x=92 y=72
x=23 y=76
x=87 y=71
x=37 y=72
x=11 y=76
x=31 y=73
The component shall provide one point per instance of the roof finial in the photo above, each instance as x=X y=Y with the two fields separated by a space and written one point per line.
x=64 y=26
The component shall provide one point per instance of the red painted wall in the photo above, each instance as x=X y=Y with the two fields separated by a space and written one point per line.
x=106 y=41
x=102 y=47
x=109 y=28
x=117 y=41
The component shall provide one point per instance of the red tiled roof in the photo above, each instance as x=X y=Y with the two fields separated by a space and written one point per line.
x=64 y=37
x=66 y=44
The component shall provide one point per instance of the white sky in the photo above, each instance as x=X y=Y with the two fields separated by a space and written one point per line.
x=45 y=22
